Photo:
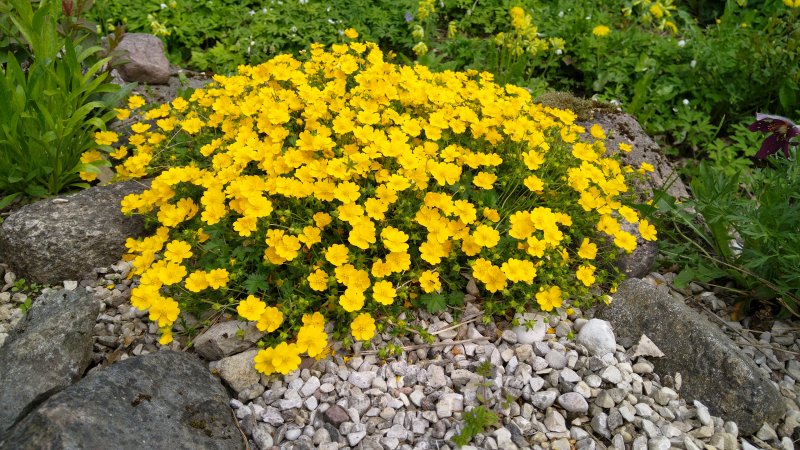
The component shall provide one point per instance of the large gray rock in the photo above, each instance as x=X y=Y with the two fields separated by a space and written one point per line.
x=66 y=237
x=226 y=338
x=142 y=59
x=712 y=367
x=164 y=400
x=47 y=351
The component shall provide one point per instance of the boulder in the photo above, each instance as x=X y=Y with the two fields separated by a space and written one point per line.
x=162 y=400
x=142 y=59
x=47 y=351
x=713 y=369
x=226 y=338
x=67 y=237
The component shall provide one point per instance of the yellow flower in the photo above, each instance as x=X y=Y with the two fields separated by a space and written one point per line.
x=122 y=113
x=549 y=298
x=491 y=214
x=484 y=180
x=285 y=358
x=165 y=312
x=337 y=254
x=177 y=251
x=312 y=340
x=196 y=281
x=322 y=219
x=517 y=270
x=588 y=250
x=625 y=241
x=585 y=274
x=314 y=320
x=363 y=327
x=105 y=137
x=383 y=292
x=263 y=361
x=601 y=30
x=251 y=308
x=270 y=319
x=597 y=132
x=486 y=236
x=166 y=336
x=171 y=273
x=625 y=147
x=647 y=230
x=318 y=280
x=792 y=3
x=217 y=278
x=135 y=102
x=429 y=281
x=351 y=33
x=351 y=300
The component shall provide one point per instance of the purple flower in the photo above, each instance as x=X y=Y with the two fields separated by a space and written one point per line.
x=409 y=17
x=783 y=131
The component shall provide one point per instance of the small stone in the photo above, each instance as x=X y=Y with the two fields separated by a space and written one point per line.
x=604 y=400
x=598 y=337
x=436 y=377
x=543 y=400
x=573 y=402
x=767 y=433
x=262 y=436
x=355 y=437
x=503 y=437
x=416 y=397
x=702 y=413
x=646 y=347
x=70 y=285
x=510 y=337
x=556 y=360
x=336 y=415
x=569 y=375
x=537 y=331
x=612 y=375
x=293 y=433
x=449 y=403
x=321 y=436
x=659 y=443
x=310 y=386
x=554 y=421
x=361 y=380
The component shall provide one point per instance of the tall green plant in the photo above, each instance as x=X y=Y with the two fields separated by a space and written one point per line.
x=52 y=107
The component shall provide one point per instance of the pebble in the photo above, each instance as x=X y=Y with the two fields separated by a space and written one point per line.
x=548 y=391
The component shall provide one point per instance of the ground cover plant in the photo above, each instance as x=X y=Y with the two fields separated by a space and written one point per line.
x=342 y=188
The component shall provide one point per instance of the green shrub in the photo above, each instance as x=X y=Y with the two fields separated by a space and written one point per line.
x=346 y=186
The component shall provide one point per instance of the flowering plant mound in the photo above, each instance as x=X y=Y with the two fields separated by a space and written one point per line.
x=343 y=186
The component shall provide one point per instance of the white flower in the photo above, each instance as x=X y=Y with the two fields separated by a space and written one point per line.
x=163 y=6
x=681 y=43
x=693 y=63
x=558 y=51
x=303 y=2
x=293 y=29
x=251 y=12
x=561 y=14
x=588 y=17
x=686 y=101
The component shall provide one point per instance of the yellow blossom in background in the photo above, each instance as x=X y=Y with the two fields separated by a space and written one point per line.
x=122 y=113
x=363 y=327
x=601 y=30
x=351 y=33
x=792 y=3
x=105 y=137
x=314 y=320
x=164 y=312
x=135 y=102
x=484 y=180
x=597 y=132
x=625 y=241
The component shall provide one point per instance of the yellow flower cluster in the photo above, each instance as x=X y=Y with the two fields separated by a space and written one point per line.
x=524 y=36
x=355 y=181
x=656 y=13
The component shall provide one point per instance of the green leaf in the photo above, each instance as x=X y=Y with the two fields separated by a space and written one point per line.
x=5 y=201
x=434 y=303
x=256 y=282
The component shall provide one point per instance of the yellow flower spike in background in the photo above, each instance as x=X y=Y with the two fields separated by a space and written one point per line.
x=601 y=31
x=342 y=183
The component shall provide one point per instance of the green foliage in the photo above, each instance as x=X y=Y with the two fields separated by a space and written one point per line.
x=53 y=104
x=219 y=35
x=741 y=226
x=476 y=420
